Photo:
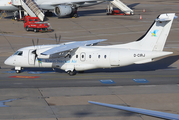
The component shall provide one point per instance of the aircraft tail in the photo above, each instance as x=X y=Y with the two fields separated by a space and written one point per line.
x=155 y=37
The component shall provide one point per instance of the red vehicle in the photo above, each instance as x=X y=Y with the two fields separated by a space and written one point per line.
x=32 y=23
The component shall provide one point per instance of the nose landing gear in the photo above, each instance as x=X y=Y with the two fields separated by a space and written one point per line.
x=18 y=69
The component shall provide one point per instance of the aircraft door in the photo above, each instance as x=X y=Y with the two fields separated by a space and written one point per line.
x=31 y=58
x=83 y=56
x=114 y=58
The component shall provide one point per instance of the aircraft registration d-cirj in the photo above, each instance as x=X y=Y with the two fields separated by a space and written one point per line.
x=82 y=55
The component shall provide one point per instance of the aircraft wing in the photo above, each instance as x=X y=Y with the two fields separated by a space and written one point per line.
x=71 y=45
x=164 y=115
x=76 y=2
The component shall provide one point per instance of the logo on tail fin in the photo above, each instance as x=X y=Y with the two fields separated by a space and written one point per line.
x=154 y=33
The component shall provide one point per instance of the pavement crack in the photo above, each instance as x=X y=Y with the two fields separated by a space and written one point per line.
x=9 y=43
x=47 y=103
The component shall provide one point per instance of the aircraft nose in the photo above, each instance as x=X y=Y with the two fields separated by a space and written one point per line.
x=8 y=61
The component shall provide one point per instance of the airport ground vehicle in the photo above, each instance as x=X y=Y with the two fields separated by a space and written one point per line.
x=32 y=23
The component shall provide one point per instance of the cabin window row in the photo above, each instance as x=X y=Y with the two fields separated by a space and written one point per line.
x=99 y=56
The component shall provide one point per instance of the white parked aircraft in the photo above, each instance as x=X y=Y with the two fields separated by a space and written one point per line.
x=81 y=55
x=158 y=114
x=59 y=7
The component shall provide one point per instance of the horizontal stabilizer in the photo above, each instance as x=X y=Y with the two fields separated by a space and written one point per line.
x=153 y=113
x=153 y=55
x=165 y=19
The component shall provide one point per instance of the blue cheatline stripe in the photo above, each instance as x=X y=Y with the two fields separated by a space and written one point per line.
x=40 y=72
x=107 y=81
x=140 y=81
x=10 y=71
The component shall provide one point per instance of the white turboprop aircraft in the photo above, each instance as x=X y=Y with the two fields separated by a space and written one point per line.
x=59 y=7
x=81 y=55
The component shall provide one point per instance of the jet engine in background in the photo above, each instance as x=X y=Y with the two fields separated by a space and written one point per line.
x=65 y=10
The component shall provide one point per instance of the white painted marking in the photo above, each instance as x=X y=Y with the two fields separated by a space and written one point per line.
x=17 y=83
x=115 y=87
x=147 y=85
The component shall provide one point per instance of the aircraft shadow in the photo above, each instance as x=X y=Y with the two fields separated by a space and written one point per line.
x=91 y=110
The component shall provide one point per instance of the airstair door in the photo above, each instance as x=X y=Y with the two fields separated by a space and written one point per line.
x=31 y=58
x=114 y=58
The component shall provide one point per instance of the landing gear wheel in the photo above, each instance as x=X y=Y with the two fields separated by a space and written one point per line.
x=36 y=30
x=18 y=71
x=71 y=73
x=75 y=15
x=27 y=29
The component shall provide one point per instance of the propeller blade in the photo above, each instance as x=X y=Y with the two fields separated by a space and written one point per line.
x=37 y=41
x=59 y=39
x=56 y=37
x=33 y=42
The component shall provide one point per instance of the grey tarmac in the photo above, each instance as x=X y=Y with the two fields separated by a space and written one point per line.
x=55 y=95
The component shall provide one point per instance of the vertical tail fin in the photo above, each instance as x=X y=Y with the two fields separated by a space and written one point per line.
x=155 y=37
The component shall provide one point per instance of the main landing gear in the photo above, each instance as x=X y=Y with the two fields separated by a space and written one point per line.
x=74 y=13
x=71 y=73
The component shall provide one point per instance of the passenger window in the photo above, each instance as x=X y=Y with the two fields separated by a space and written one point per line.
x=89 y=56
x=105 y=56
x=98 y=56
x=35 y=20
x=76 y=56
x=30 y=20
x=82 y=56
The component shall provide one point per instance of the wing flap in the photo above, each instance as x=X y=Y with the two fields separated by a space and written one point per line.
x=71 y=46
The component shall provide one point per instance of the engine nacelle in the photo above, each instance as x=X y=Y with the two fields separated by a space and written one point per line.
x=63 y=10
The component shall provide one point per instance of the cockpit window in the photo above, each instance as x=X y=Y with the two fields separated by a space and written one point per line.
x=18 y=53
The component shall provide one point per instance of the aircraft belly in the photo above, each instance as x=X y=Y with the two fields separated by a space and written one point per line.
x=46 y=7
x=90 y=3
x=82 y=67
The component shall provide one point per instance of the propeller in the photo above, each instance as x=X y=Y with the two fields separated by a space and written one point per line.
x=35 y=51
x=57 y=39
